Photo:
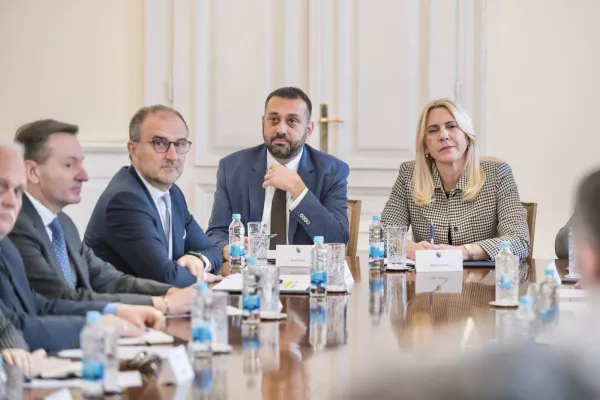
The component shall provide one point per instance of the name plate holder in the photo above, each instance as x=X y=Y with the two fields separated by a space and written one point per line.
x=176 y=369
x=293 y=256
x=438 y=260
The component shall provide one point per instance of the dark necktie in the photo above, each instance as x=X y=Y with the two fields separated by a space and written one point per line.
x=60 y=248
x=278 y=218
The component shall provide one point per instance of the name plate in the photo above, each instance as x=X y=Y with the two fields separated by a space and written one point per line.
x=438 y=260
x=176 y=369
x=293 y=256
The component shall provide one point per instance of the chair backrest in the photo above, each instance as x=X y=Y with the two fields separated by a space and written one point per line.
x=354 y=207
x=530 y=214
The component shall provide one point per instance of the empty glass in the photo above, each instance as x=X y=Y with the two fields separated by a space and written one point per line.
x=258 y=242
x=216 y=302
x=269 y=296
x=395 y=237
x=336 y=267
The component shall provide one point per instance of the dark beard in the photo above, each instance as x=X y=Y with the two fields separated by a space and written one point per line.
x=285 y=153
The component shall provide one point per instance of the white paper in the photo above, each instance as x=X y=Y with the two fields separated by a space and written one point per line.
x=124 y=352
x=125 y=379
x=573 y=293
x=63 y=394
x=150 y=337
x=409 y=263
x=572 y=306
x=233 y=311
x=291 y=283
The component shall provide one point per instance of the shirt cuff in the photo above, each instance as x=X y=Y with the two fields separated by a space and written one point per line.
x=295 y=203
x=110 y=308
x=207 y=265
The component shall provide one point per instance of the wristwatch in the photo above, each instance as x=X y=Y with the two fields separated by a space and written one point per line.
x=469 y=252
x=199 y=255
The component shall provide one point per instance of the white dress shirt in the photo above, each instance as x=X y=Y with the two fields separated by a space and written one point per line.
x=157 y=195
x=270 y=193
x=44 y=212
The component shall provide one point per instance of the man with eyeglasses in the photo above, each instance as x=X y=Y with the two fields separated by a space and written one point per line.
x=58 y=265
x=141 y=223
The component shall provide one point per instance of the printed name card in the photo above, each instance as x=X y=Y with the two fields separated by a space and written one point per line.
x=438 y=260
x=176 y=369
x=293 y=256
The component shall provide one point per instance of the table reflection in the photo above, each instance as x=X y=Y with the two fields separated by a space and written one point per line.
x=420 y=303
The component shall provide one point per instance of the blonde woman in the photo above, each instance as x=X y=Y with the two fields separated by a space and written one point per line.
x=473 y=205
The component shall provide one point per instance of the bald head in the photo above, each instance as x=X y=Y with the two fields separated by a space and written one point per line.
x=12 y=185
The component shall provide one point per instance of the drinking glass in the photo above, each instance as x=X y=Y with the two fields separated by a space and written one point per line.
x=395 y=237
x=216 y=304
x=336 y=267
x=258 y=242
x=269 y=301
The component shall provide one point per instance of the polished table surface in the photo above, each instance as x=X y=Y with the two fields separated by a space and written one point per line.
x=383 y=316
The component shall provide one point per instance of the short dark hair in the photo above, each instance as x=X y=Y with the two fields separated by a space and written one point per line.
x=293 y=93
x=138 y=119
x=34 y=136
x=587 y=210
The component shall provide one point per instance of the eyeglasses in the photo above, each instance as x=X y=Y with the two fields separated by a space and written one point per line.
x=162 y=145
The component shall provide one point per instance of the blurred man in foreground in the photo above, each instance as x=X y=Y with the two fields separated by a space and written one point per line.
x=47 y=324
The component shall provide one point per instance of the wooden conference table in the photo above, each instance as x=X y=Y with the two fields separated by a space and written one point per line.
x=386 y=314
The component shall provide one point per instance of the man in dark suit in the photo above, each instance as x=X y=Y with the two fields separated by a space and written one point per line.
x=59 y=265
x=141 y=223
x=297 y=191
x=48 y=324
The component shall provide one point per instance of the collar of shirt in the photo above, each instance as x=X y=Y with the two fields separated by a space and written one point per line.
x=293 y=164
x=155 y=193
x=44 y=212
x=460 y=185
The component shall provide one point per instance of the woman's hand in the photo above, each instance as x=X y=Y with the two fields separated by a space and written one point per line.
x=411 y=247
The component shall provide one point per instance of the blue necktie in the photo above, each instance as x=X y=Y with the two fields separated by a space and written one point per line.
x=60 y=248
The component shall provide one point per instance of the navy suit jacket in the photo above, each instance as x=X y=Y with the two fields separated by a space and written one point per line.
x=125 y=230
x=48 y=324
x=322 y=212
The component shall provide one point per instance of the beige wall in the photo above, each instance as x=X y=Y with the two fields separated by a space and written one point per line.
x=76 y=60
x=543 y=97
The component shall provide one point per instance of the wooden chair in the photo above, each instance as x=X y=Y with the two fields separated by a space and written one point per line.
x=530 y=214
x=354 y=207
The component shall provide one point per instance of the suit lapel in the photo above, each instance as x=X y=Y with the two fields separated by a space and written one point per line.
x=42 y=234
x=256 y=193
x=305 y=170
x=153 y=209
x=74 y=253
x=17 y=279
x=177 y=228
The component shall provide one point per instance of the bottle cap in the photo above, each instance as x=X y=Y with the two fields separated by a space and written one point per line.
x=505 y=245
x=319 y=239
x=376 y=217
x=201 y=286
x=92 y=317
x=526 y=300
x=236 y=216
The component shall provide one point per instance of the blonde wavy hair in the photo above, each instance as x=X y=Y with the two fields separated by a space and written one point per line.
x=425 y=166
